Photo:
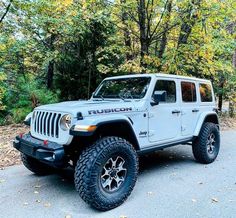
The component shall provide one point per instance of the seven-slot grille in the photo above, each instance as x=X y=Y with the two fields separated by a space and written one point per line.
x=46 y=123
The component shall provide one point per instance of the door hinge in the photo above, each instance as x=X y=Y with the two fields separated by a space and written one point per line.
x=150 y=115
x=151 y=133
x=183 y=128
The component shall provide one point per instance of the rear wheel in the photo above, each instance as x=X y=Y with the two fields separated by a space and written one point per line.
x=35 y=166
x=106 y=173
x=206 y=147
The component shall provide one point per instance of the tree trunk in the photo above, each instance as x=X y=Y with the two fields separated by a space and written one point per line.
x=143 y=33
x=220 y=102
x=163 y=42
x=185 y=31
x=231 y=108
x=221 y=86
x=188 y=23
x=126 y=33
x=50 y=74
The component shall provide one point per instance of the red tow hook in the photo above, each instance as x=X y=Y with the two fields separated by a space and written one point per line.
x=45 y=143
x=21 y=135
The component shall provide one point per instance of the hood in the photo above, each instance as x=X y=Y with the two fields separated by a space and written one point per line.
x=93 y=107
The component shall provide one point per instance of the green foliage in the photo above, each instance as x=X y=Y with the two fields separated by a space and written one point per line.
x=66 y=45
x=24 y=98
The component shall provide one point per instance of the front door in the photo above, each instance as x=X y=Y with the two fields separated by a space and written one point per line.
x=165 y=118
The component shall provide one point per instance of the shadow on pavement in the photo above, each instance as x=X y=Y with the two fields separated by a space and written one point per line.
x=171 y=157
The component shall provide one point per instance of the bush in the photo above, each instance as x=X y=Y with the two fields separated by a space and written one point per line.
x=22 y=99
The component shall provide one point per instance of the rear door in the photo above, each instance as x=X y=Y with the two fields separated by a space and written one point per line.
x=165 y=118
x=189 y=107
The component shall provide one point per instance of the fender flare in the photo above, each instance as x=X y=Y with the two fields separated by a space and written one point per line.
x=102 y=122
x=202 y=119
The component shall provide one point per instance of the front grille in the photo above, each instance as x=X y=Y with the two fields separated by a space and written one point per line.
x=46 y=123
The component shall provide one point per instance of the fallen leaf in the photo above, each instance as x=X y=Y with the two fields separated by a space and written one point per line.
x=47 y=205
x=25 y=203
x=123 y=216
x=2 y=180
x=214 y=200
x=68 y=216
x=150 y=193
x=38 y=201
x=194 y=200
x=36 y=192
x=200 y=183
x=37 y=186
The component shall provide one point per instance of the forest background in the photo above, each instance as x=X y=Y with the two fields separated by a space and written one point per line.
x=61 y=50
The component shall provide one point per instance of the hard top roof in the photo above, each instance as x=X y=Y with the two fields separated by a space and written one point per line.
x=162 y=75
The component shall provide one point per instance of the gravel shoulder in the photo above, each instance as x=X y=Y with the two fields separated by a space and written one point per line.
x=170 y=184
x=8 y=155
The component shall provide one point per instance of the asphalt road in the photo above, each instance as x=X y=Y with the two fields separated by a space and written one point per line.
x=170 y=184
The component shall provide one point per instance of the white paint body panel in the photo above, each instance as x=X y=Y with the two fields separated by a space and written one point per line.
x=158 y=121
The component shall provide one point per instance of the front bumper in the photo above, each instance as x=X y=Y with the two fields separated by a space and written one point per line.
x=48 y=152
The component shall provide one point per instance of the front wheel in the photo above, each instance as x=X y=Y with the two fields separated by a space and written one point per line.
x=106 y=173
x=207 y=145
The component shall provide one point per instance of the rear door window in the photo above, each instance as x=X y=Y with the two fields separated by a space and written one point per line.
x=205 y=92
x=188 y=90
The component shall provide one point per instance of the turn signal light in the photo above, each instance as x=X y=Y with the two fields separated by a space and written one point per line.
x=85 y=128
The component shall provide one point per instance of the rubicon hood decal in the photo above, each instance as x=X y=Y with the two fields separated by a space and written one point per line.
x=112 y=110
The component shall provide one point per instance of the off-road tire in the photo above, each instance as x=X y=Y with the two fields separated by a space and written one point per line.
x=90 y=166
x=35 y=166
x=200 y=148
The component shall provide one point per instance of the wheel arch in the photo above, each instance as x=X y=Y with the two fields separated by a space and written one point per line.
x=211 y=117
x=121 y=128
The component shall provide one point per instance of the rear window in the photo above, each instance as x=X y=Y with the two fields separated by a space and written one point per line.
x=205 y=92
x=188 y=92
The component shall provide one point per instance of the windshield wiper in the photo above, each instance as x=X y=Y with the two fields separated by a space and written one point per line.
x=121 y=97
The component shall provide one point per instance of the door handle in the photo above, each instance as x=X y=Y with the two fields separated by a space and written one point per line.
x=195 y=110
x=176 y=112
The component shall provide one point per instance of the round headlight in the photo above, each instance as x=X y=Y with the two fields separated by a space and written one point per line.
x=65 y=122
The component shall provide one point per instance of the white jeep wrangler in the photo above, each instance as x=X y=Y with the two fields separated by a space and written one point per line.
x=126 y=116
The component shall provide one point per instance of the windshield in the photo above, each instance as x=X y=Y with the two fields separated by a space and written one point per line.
x=132 y=88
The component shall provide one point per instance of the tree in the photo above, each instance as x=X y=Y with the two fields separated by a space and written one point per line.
x=5 y=12
x=68 y=47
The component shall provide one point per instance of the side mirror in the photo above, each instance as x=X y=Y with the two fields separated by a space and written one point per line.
x=158 y=96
